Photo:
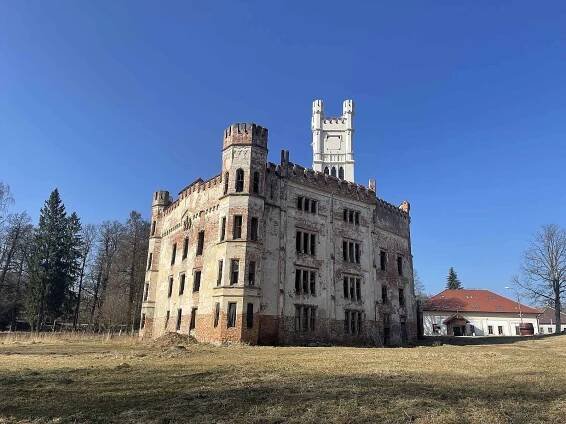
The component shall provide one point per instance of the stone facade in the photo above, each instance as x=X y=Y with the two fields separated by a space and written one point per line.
x=278 y=254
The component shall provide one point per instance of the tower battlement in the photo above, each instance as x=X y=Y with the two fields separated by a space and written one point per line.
x=246 y=134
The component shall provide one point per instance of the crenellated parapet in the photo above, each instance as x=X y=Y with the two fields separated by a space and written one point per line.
x=245 y=134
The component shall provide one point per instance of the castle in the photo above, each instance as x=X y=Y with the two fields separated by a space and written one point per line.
x=269 y=253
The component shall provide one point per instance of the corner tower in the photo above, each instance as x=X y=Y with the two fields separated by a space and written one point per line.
x=332 y=146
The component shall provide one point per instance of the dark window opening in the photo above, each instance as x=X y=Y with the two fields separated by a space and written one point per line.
x=179 y=315
x=250 y=315
x=239 y=180
x=173 y=253
x=333 y=171
x=153 y=228
x=251 y=274
x=185 y=248
x=383 y=294
x=234 y=270
x=170 y=289
x=255 y=185
x=181 y=284
x=237 y=229
x=223 y=228
x=142 y=324
x=149 y=261
x=196 y=283
x=341 y=173
x=313 y=284
x=193 y=321
x=231 y=315
x=313 y=206
x=300 y=203
x=401 y=297
x=305 y=318
x=382 y=260
x=146 y=292
x=326 y=170
x=219 y=276
x=200 y=243
x=253 y=229
x=216 y=314
x=500 y=330
x=226 y=179
x=489 y=329
x=167 y=319
x=400 y=265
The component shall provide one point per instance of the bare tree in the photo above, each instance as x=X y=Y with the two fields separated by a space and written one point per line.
x=88 y=238
x=17 y=227
x=544 y=268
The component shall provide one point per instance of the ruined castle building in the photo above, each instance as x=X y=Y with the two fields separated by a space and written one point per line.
x=332 y=147
x=278 y=254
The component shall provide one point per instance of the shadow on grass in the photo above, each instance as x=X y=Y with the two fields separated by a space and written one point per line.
x=230 y=394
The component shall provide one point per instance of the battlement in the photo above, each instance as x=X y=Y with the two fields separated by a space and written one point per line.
x=245 y=134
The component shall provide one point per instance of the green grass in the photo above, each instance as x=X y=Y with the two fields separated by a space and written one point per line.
x=125 y=381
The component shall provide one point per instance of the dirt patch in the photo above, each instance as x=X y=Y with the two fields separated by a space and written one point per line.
x=169 y=340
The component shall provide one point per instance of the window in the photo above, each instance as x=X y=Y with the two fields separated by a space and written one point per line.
x=250 y=315
x=239 y=180
x=500 y=330
x=149 y=261
x=179 y=315
x=255 y=185
x=351 y=216
x=352 y=288
x=306 y=243
x=166 y=319
x=219 y=276
x=400 y=265
x=517 y=330
x=305 y=318
x=146 y=292
x=341 y=173
x=306 y=204
x=253 y=229
x=196 y=282
x=234 y=270
x=333 y=171
x=305 y=282
x=251 y=273
x=193 y=321
x=223 y=228
x=401 y=297
x=153 y=228
x=272 y=189
x=181 y=284
x=383 y=294
x=231 y=315
x=435 y=328
x=200 y=243
x=185 y=248
x=173 y=253
x=226 y=179
x=382 y=260
x=351 y=251
x=216 y=314
x=170 y=290
x=352 y=322
x=490 y=329
x=326 y=170
x=237 y=228
x=142 y=324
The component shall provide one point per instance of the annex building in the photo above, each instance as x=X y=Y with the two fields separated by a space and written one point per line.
x=266 y=253
x=473 y=312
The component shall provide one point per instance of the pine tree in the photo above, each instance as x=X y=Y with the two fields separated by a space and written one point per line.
x=452 y=281
x=53 y=262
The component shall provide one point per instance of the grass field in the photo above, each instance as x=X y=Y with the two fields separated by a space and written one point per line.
x=126 y=381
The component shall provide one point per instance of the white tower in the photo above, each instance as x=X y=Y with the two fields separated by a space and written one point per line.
x=332 y=148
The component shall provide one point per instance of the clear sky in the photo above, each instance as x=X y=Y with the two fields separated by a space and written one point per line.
x=461 y=108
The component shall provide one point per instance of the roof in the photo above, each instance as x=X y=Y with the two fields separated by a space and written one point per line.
x=548 y=316
x=465 y=300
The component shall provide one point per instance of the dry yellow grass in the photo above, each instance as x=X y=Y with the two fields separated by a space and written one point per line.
x=123 y=380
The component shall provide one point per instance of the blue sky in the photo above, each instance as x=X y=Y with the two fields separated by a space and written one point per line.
x=461 y=108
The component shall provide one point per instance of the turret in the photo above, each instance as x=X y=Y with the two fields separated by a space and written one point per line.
x=245 y=134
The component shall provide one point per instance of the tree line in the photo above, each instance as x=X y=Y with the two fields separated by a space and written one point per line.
x=63 y=273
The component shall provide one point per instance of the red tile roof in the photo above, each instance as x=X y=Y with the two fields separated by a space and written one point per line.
x=548 y=316
x=475 y=301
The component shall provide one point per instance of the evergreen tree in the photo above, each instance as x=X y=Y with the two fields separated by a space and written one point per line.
x=452 y=281
x=53 y=262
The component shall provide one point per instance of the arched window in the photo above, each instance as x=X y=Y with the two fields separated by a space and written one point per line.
x=255 y=185
x=326 y=170
x=239 y=180
x=333 y=171
x=341 y=173
x=226 y=178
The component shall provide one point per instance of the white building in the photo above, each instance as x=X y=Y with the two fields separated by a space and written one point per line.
x=547 y=321
x=332 y=138
x=476 y=313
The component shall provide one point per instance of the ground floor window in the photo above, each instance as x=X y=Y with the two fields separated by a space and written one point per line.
x=490 y=329
x=500 y=330
x=231 y=314
x=305 y=318
x=250 y=315
x=193 y=322
x=435 y=328
x=352 y=322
